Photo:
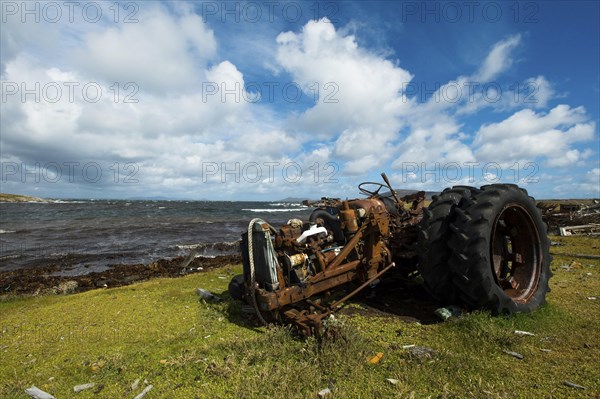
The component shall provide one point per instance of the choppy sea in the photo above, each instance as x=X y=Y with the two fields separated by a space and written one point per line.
x=92 y=235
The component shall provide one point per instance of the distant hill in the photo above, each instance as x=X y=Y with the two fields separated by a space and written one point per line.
x=291 y=199
x=428 y=194
x=19 y=198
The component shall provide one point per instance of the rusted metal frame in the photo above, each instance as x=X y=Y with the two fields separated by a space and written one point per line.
x=297 y=318
x=316 y=305
x=374 y=243
x=322 y=281
x=362 y=286
x=307 y=322
x=326 y=280
x=349 y=247
x=334 y=272
x=398 y=201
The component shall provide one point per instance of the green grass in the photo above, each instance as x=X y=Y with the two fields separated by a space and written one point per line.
x=160 y=331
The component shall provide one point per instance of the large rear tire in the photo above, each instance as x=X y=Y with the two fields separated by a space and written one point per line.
x=500 y=251
x=432 y=246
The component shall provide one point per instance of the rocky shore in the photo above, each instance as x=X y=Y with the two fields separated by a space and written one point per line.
x=47 y=279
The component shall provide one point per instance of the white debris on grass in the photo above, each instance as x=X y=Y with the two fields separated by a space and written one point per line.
x=37 y=393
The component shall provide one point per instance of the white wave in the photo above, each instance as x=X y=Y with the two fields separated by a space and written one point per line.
x=6 y=231
x=162 y=207
x=218 y=246
x=277 y=210
x=289 y=204
x=189 y=246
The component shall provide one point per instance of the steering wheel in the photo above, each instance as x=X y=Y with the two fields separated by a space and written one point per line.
x=372 y=192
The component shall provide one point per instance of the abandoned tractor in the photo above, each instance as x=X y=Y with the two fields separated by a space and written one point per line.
x=483 y=248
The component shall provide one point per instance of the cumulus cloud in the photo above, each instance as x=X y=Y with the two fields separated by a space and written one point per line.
x=362 y=94
x=527 y=135
x=361 y=121
x=164 y=53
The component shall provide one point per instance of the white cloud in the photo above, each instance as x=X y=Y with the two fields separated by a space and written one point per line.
x=538 y=92
x=366 y=92
x=433 y=139
x=527 y=135
x=531 y=93
x=165 y=53
x=586 y=184
x=174 y=129
x=498 y=60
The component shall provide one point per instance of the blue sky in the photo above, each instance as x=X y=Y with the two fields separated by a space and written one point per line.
x=265 y=100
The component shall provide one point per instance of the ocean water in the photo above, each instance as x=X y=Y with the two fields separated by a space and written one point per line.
x=92 y=235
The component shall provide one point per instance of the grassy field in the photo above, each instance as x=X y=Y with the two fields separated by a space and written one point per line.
x=160 y=333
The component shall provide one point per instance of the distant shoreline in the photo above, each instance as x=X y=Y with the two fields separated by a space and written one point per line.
x=19 y=198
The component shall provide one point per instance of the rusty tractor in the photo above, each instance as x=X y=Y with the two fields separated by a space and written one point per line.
x=482 y=248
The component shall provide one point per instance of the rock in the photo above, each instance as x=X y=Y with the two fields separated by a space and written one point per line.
x=101 y=283
x=83 y=387
x=131 y=279
x=37 y=393
x=68 y=287
x=421 y=352
x=448 y=312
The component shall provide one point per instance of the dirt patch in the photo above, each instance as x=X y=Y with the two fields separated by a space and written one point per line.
x=395 y=297
x=43 y=279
